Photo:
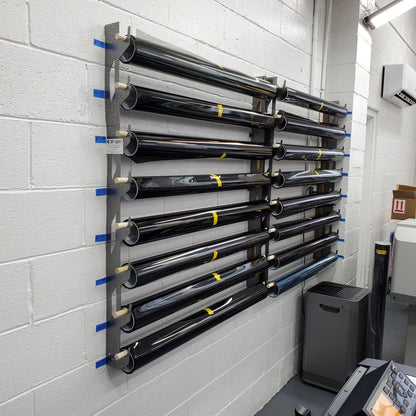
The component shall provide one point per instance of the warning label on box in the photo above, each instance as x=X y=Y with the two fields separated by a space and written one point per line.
x=399 y=206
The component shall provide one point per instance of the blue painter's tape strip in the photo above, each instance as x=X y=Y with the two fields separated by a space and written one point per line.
x=347 y=134
x=104 y=280
x=100 y=139
x=101 y=94
x=346 y=155
x=343 y=196
x=345 y=174
x=342 y=219
x=101 y=363
x=101 y=327
x=340 y=257
x=100 y=191
x=102 y=237
x=341 y=239
x=100 y=43
x=349 y=112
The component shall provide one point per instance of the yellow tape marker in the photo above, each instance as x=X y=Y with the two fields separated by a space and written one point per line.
x=223 y=156
x=383 y=252
x=219 y=110
x=209 y=311
x=217 y=276
x=215 y=255
x=215 y=220
x=316 y=172
x=320 y=108
x=217 y=178
x=320 y=154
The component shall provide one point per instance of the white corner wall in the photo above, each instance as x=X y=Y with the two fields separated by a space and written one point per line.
x=50 y=167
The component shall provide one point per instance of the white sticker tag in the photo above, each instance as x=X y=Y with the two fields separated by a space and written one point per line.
x=399 y=206
x=115 y=146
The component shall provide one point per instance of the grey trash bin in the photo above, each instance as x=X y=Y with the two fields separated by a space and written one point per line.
x=335 y=333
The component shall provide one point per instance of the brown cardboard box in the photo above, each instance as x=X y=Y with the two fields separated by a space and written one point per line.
x=404 y=202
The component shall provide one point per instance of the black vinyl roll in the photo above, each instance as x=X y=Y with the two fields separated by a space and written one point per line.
x=147 y=349
x=293 y=152
x=157 y=186
x=295 y=124
x=292 y=254
x=291 y=228
x=150 y=309
x=152 y=268
x=144 y=99
x=305 y=177
x=377 y=304
x=162 y=56
x=301 y=99
x=159 y=227
x=145 y=147
x=298 y=204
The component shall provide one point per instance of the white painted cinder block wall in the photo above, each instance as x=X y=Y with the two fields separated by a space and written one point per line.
x=50 y=168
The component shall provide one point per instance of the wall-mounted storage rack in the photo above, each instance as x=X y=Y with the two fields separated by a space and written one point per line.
x=260 y=211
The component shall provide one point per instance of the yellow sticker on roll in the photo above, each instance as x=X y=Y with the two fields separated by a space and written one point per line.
x=382 y=252
x=214 y=256
x=223 y=156
x=219 y=110
x=320 y=154
x=217 y=276
x=322 y=105
x=210 y=312
x=217 y=178
x=215 y=219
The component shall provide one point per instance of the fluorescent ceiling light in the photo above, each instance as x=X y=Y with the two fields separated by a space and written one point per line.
x=389 y=12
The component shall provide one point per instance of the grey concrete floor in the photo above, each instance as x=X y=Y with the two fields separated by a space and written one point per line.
x=296 y=391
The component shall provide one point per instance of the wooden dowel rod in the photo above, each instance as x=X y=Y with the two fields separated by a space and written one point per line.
x=121 y=225
x=120 y=313
x=122 y=180
x=119 y=36
x=121 y=355
x=122 y=269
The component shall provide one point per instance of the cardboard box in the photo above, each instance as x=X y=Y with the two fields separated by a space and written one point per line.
x=404 y=202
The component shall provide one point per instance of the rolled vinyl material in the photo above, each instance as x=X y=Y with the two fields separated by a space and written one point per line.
x=300 y=275
x=157 y=186
x=167 y=58
x=144 y=99
x=293 y=205
x=292 y=152
x=291 y=228
x=152 y=268
x=153 y=346
x=294 y=253
x=306 y=177
x=163 y=226
x=294 y=124
x=301 y=99
x=377 y=300
x=158 y=306
x=144 y=147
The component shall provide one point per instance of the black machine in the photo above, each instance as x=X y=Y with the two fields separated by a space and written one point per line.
x=376 y=388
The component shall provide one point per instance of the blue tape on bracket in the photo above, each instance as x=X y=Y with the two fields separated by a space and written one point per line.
x=101 y=94
x=101 y=327
x=104 y=280
x=102 y=237
x=100 y=139
x=101 y=363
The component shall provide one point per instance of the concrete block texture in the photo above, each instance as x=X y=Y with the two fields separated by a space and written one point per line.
x=50 y=167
